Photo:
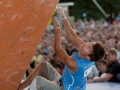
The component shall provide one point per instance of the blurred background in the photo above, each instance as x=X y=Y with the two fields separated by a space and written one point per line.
x=88 y=7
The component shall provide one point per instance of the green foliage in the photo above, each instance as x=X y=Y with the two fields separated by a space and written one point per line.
x=92 y=11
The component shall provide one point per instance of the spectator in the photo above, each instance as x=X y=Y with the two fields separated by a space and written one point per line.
x=112 y=18
x=109 y=19
x=102 y=68
x=113 y=70
x=59 y=67
x=37 y=57
x=80 y=25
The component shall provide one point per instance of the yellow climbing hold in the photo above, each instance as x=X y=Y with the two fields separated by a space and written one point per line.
x=50 y=21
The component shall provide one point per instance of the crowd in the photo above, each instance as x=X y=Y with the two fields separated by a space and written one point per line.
x=106 y=31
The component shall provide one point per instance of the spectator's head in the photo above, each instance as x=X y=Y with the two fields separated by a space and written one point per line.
x=111 y=55
x=108 y=45
x=102 y=65
x=43 y=44
x=50 y=49
x=37 y=52
x=64 y=46
x=63 y=39
x=45 y=56
x=56 y=58
x=58 y=66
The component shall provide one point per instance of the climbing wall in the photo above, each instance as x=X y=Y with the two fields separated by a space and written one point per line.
x=22 y=24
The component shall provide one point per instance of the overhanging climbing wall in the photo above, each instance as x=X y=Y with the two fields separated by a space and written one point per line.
x=22 y=24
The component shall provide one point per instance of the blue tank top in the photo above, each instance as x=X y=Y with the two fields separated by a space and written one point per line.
x=77 y=80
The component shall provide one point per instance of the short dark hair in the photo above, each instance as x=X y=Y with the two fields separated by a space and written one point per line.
x=113 y=51
x=103 y=61
x=98 y=52
x=58 y=65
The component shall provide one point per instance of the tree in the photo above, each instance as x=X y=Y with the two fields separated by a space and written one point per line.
x=92 y=11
